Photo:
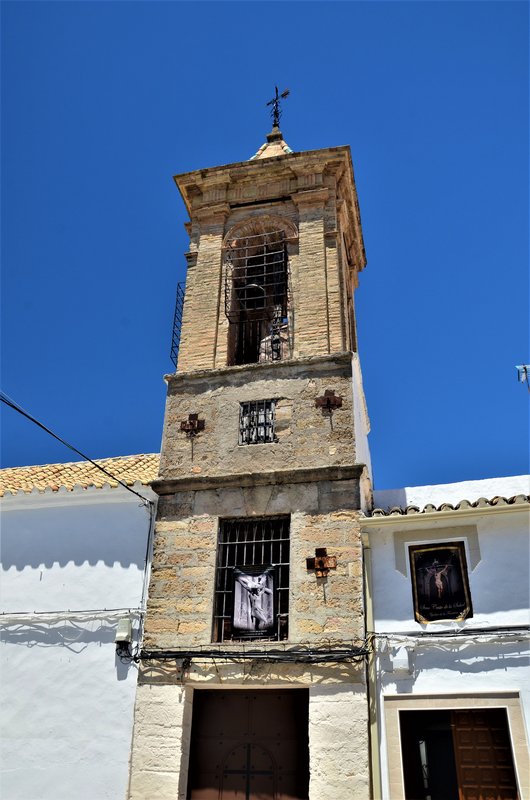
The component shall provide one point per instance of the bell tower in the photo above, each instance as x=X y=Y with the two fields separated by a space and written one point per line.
x=252 y=674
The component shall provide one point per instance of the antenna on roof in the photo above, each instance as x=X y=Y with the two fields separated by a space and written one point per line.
x=523 y=374
x=276 y=111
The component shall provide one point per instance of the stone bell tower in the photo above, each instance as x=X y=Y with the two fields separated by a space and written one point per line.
x=252 y=673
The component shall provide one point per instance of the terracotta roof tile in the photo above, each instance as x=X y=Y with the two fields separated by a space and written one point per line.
x=482 y=502
x=129 y=469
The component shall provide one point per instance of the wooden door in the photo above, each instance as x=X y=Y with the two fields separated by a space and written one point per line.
x=249 y=745
x=483 y=755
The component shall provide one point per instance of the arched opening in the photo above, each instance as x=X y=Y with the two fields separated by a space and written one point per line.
x=257 y=296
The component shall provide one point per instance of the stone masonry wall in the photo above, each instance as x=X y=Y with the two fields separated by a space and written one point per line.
x=198 y=340
x=161 y=742
x=323 y=514
x=338 y=742
x=307 y=208
x=306 y=436
x=338 y=729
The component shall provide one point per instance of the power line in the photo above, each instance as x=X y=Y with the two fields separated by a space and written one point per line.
x=12 y=404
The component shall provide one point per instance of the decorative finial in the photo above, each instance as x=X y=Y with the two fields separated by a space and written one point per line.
x=276 y=111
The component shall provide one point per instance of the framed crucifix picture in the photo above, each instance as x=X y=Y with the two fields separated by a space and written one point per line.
x=254 y=603
x=440 y=588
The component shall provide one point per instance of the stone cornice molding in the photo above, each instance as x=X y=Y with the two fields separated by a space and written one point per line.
x=330 y=361
x=165 y=486
x=191 y=257
x=309 y=167
x=289 y=165
x=212 y=214
x=311 y=197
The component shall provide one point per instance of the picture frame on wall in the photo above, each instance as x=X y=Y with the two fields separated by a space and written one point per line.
x=440 y=587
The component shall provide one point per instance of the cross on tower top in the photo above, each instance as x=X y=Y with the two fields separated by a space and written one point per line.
x=276 y=111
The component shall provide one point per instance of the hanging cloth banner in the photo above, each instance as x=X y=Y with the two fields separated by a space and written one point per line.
x=254 y=613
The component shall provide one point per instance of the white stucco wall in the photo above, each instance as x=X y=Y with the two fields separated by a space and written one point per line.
x=497 y=552
x=498 y=582
x=467 y=671
x=67 y=702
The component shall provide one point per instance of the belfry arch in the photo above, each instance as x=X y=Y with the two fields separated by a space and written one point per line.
x=257 y=290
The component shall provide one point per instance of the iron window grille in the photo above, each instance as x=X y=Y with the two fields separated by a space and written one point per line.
x=250 y=543
x=258 y=298
x=256 y=422
x=177 y=322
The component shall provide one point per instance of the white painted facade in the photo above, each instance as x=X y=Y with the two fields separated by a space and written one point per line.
x=73 y=565
x=361 y=420
x=420 y=666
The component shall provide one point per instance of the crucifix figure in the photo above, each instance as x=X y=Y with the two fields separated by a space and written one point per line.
x=275 y=110
x=256 y=588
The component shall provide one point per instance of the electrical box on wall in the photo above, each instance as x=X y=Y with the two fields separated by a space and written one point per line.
x=124 y=632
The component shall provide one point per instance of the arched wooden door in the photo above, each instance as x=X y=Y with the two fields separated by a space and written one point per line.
x=249 y=745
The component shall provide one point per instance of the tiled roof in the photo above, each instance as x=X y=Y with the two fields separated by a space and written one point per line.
x=129 y=469
x=482 y=502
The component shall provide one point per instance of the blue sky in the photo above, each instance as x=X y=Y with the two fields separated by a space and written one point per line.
x=102 y=102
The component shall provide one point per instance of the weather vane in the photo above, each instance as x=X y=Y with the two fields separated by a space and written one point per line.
x=276 y=110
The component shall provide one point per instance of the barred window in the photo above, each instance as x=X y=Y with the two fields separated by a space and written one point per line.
x=252 y=579
x=257 y=296
x=256 y=422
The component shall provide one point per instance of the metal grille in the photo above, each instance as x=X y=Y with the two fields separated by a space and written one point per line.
x=256 y=422
x=245 y=542
x=177 y=323
x=257 y=298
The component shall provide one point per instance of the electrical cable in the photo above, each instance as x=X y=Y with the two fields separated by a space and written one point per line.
x=12 y=404
x=301 y=654
x=68 y=613
x=501 y=635
x=147 y=575
x=460 y=634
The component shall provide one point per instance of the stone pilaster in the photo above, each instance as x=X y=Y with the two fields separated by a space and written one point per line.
x=203 y=293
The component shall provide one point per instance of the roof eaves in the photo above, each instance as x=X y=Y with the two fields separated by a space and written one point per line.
x=464 y=505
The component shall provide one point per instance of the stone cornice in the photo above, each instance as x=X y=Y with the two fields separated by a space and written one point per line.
x=191 y=257
x=311 y=197
x=214 y=213
x=192 y=183
x=165 y=486
x=303 y=167
x=331 y=359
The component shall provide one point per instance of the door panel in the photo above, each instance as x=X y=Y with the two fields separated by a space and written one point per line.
x=249 y=745
x=457 y=755
x=483 y=755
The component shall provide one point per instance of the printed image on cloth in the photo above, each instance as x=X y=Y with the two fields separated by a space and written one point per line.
x=439 y=582
x=254 y=606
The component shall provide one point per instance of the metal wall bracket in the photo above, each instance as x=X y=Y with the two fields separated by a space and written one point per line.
x=192 y=425
x=328 y=402
x=321 y=563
